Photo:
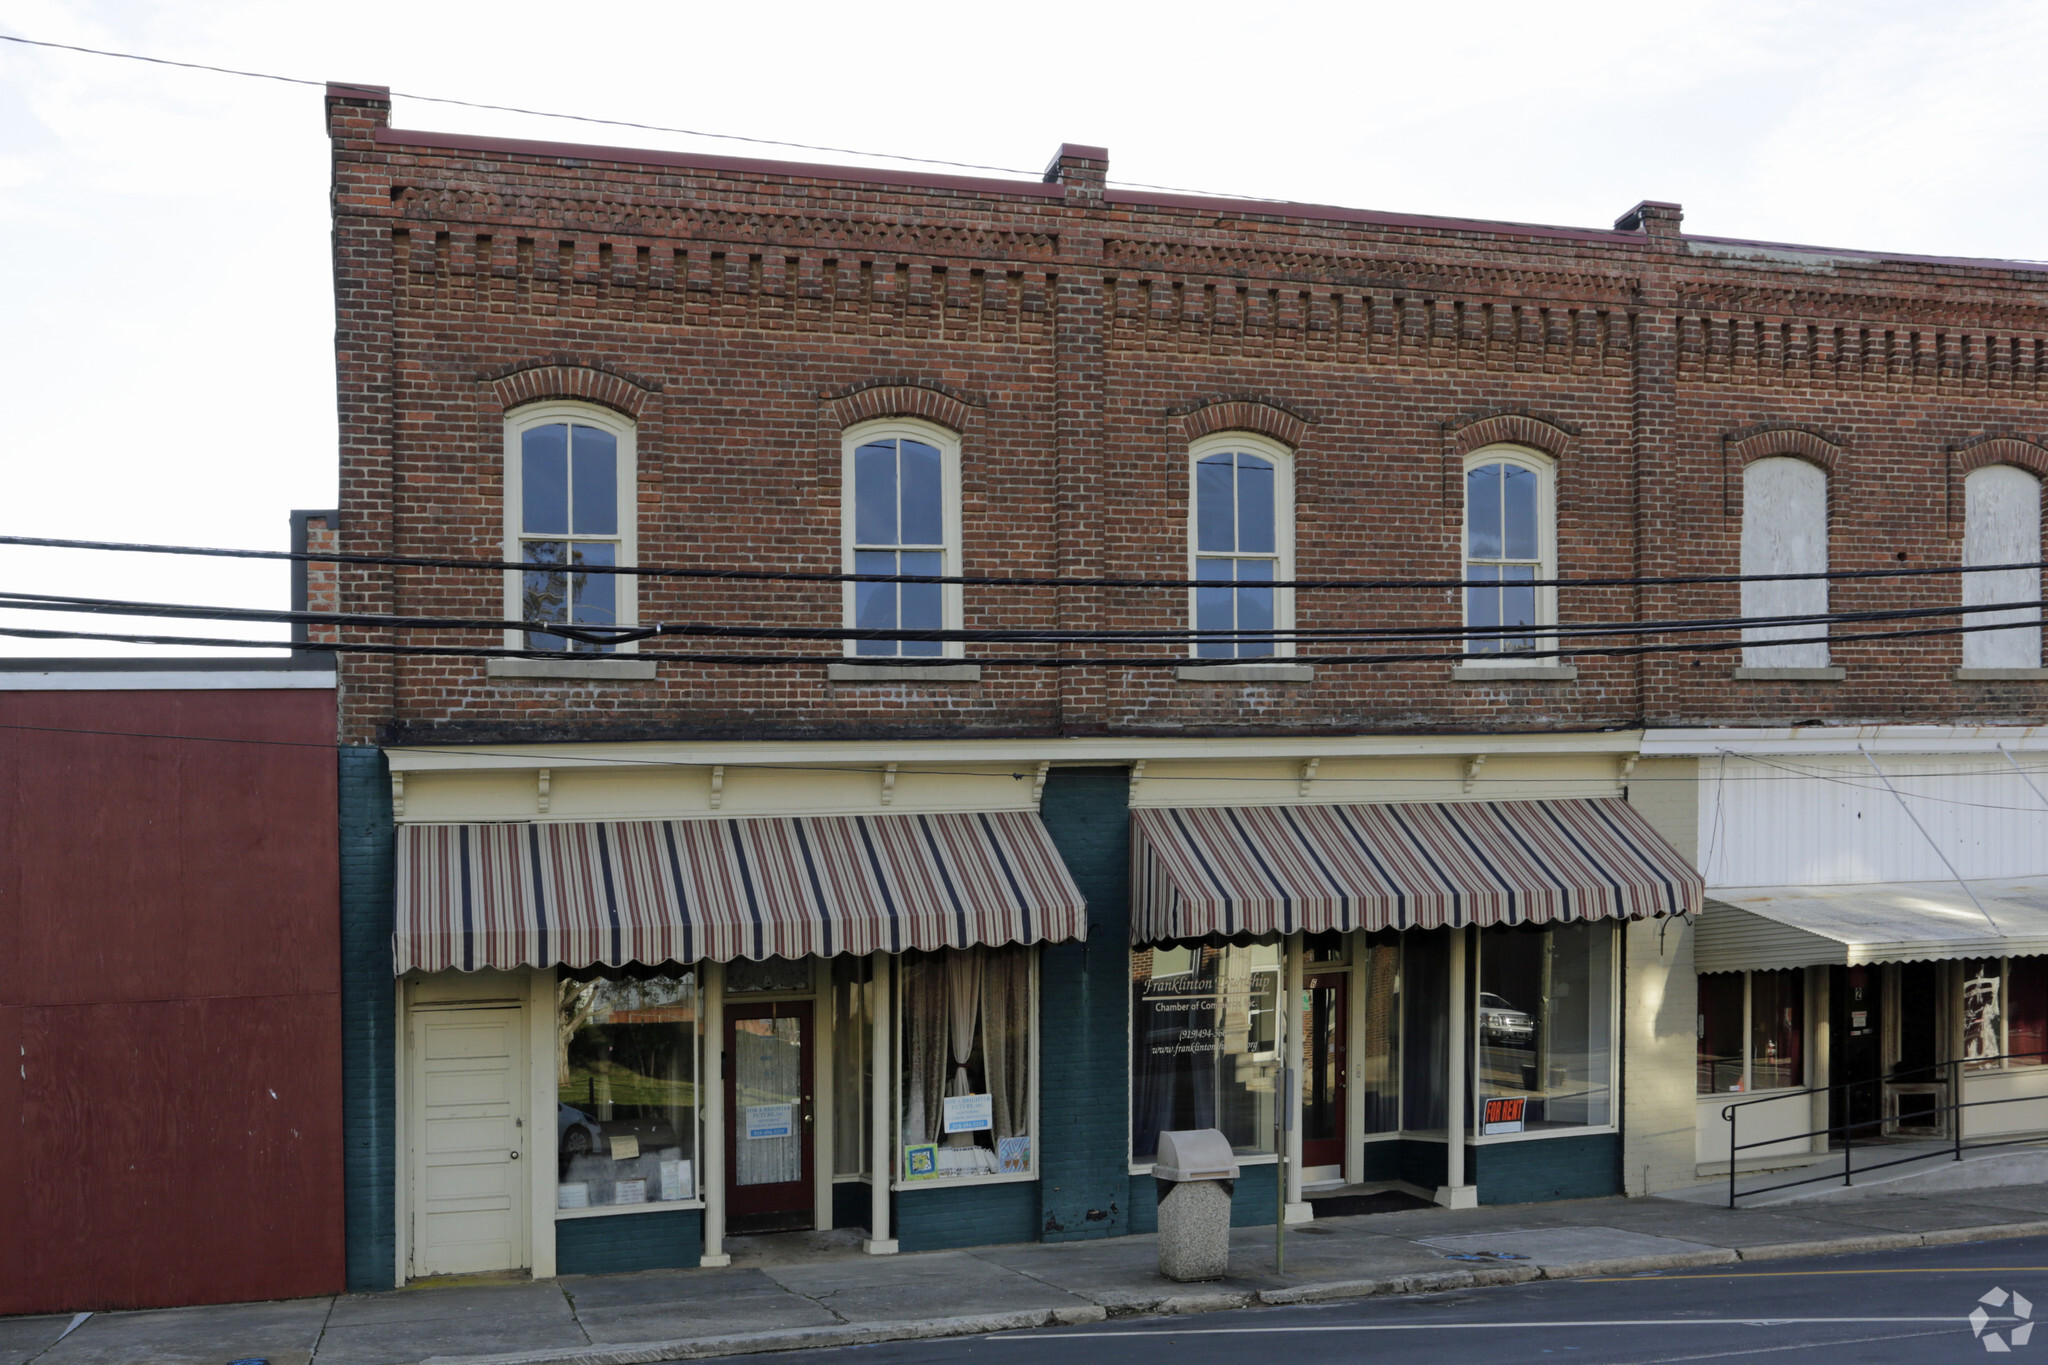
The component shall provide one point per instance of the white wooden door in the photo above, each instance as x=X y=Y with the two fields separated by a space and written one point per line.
x=469 y=1096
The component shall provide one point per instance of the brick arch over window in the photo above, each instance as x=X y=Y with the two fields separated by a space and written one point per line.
x=562 y=377
x=1971 y=455
x=1501 y=427
x=1771 y=440
x=1267 y=417
x=1507 y=429
x=901 y=398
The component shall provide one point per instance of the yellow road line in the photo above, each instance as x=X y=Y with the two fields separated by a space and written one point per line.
x=1787 y=1274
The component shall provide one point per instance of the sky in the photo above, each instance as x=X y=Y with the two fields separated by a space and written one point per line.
x=166 y=315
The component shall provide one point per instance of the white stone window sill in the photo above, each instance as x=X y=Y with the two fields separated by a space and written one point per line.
x=1791 y=674
x=1552 y=673
x=616 y=1210
x=896 y=673
x=1246 y=673
x=572 y=670
x=2001 y=675
x=954 y=1182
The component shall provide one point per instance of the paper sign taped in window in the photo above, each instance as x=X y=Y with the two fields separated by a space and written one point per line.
x=970 y=1113
x=770 y=1120
x=1504 y=1115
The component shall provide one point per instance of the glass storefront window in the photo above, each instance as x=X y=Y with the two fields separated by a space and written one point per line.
x=965 y=1025
x=2026 y=1020
x=626 y=1106
x=852 y=1064
x=1983 y=1012
x=1380 y=1067
x=1777 y=1029
x=1204 y=1043
x=1719 y=1034
x=1545 y=1022
x=1425 y=1031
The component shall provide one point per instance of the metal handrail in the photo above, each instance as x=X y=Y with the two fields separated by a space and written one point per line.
x=1952 y=1082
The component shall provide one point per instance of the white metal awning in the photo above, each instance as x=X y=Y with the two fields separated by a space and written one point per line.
x=1756 y=928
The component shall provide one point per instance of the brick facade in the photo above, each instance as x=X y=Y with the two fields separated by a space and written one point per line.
x=1078 y=338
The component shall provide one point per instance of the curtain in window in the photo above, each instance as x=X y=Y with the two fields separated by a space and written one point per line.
x=1785 y=530
x=2002 y=526
x=963 y=1005
x=1006 y=1037
x=926 y=1047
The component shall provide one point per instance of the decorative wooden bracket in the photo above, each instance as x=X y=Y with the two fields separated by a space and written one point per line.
x=717 y=785
x=1137 y=776
x=1472 y=766
x=889 y=784
x=1628 y=765
x=1038 y=782
x=398 y=793
x=1308 y=772
x=541 y=797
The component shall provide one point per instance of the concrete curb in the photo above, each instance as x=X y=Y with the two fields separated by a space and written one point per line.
x=1220 y=1300
x=787 y=1339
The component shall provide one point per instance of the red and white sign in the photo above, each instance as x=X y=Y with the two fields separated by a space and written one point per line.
x=1503 y=1115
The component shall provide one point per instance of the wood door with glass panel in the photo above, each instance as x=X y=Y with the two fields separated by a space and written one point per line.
x=1325 y=1026
x=769 y=1180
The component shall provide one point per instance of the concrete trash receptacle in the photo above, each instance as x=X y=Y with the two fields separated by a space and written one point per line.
x=1196 y=1170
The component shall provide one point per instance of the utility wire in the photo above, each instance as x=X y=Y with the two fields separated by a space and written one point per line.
x=1006 y=580
x=614 y=635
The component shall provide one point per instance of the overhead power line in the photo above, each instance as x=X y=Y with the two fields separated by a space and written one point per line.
x=1003 y=580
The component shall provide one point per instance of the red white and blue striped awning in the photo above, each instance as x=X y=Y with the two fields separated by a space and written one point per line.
x=1251 y=870
x=576 y=893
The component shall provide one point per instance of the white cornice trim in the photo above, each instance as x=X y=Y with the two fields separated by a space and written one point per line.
x=739 y=753
x=1846 y=739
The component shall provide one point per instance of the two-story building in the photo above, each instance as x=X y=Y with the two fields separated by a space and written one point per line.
x=922 y=907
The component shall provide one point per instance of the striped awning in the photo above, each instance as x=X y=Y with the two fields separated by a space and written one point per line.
x=1278 y=869
x=571 y=894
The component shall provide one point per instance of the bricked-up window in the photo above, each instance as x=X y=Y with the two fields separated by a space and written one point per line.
x=1507 y=542
x=568 y=482
x=1785 y=531
x=1242 y=515
x=2002 y=525
x=902 y=517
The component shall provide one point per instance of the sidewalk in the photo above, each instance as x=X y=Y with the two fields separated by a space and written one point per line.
x=818 y=1290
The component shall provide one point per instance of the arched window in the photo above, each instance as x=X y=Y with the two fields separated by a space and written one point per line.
x=1241 y=516
x=902 y=516
x=1785 y=530
x=1509 y=541
x=568 y=502
x=2002 y=525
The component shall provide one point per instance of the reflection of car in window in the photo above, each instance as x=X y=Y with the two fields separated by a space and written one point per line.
x=1501 y=1022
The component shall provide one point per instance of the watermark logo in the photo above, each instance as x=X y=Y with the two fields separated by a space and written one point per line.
x=2022 y=1317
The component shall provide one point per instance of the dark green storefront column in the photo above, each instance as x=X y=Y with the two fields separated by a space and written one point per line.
x=368 y=1134
x=1083 y=1015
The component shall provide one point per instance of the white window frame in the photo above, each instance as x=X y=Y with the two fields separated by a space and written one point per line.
x=1978 y=647
x=894 y=1156
x=952 y=602
x=1545 y=469
x=1757 y=598
x=1265 y=448
x=517 y=423
x=1806 y=1035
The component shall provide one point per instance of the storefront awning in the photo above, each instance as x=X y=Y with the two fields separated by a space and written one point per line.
x=1277 y=869
x=1758 y=928
x=571 y=894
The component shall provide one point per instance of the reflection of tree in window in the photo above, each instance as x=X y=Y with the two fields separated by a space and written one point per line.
x=1503 y=545
x=1236 y=539
x=898 y=528
x=625 y=1062
x=569 y=516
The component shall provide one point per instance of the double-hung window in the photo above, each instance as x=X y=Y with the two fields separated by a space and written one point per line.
x=1242 y=515
x=569 y=478
x=903 y=518
x=1507 y=551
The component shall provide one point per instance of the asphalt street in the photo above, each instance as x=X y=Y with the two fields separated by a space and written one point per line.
x=1906 y=1306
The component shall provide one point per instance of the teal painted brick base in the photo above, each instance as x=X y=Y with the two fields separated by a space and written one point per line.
x=1551 y=1168
x=973 y=1216
x=670 y=1240
x=1084 y=1187
x=368 y=1125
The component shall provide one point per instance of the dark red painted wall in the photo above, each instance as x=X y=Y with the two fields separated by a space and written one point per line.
x=170 y=1102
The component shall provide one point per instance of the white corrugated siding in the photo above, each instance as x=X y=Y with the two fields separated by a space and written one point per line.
x=1828 y=820
x=1731 y=939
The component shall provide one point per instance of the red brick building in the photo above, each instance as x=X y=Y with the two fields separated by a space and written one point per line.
x=1067 y=379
